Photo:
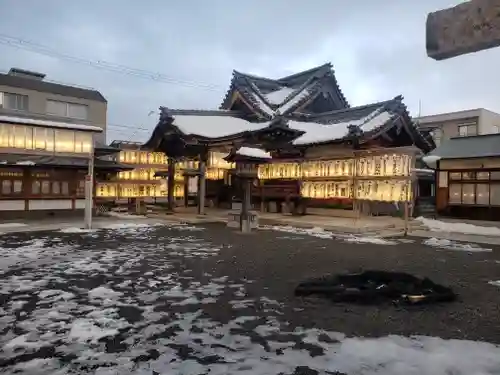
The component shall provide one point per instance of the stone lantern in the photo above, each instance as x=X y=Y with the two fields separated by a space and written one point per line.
x=188 y=174
x=247 y=161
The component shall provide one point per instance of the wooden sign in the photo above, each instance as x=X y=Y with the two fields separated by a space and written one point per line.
x=466 y=28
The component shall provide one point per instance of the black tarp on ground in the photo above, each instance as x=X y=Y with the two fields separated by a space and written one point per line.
x=375 y=287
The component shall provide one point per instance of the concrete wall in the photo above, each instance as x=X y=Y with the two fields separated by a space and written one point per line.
x=487 y=122
x=37 y=105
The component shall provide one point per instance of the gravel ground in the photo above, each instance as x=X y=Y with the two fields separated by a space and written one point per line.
x=207 y=300
x=279 y=261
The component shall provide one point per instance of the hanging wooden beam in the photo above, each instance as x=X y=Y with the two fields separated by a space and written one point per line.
x=466 y=28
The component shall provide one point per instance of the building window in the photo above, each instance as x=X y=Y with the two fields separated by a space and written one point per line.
x=83 y=142
x=11 y=187
x=56 y=188
x=64 y=109
x=482 y=194
x=64 y=188
x=35 y=187
x=467 y=130
x=80 y=189
x=45 y=187
x=50 y=188
x=495 y=194
x=38 y=138
x=14 y=101
x=468 y=194
x=65 y=141
x=6 y=187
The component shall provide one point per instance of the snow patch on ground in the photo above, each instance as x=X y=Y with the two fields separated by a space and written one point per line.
x=463 y=228
x=122 y=215
x=31 y=253
x=12 y=225
x=370 y=240
x=324 y=234
x=77 y=230
x=453 y=245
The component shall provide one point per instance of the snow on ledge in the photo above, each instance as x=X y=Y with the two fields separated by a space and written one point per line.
x=463 y=228
x=253 y=152
x=431 y=160
x=423 y=170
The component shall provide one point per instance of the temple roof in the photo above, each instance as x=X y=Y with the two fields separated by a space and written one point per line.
x=370 y=120
x=253 y=152
x=363 y=123
x=212 y=124
x=319 y=133
x=271 y=97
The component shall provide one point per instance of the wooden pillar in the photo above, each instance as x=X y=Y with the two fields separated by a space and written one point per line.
x=202 y=184
x=171 y=184
x=355 y=202
x=262 y=203
x=27 y=186
x=186 y=190
x=245 y=223
x=406 y=219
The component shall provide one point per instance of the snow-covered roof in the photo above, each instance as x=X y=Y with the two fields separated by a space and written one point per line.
x=277 y=97
x=293 y=101
x=48 y=123
x=253 y=152
x=431 y=160
x=214 y=126
x=423 y=170
x=317 y=133
x=285 y=98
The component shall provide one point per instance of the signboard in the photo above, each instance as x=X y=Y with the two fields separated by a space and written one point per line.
x=466 y=28
x=193 y=185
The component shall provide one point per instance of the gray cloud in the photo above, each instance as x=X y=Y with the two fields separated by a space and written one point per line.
x=376 y=47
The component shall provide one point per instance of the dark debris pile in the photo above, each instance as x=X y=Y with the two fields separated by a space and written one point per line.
x=376 y=287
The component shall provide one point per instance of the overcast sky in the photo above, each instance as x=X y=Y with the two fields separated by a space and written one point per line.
x=377 y=48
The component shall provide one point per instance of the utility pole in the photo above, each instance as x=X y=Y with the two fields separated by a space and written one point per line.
x=89 y=188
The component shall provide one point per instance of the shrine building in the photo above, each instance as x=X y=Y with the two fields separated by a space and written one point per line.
x=315 y=151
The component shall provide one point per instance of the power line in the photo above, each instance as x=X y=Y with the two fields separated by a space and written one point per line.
x=34 y=47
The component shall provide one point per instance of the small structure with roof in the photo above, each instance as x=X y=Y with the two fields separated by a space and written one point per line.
x=44 y=163
x=468 y=177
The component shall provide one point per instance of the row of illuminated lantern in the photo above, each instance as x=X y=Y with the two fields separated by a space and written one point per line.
x=215 y=159
x=376 y=166
x=377 y=190
x=136 y=190
x=384 y=166
x=387 y=191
